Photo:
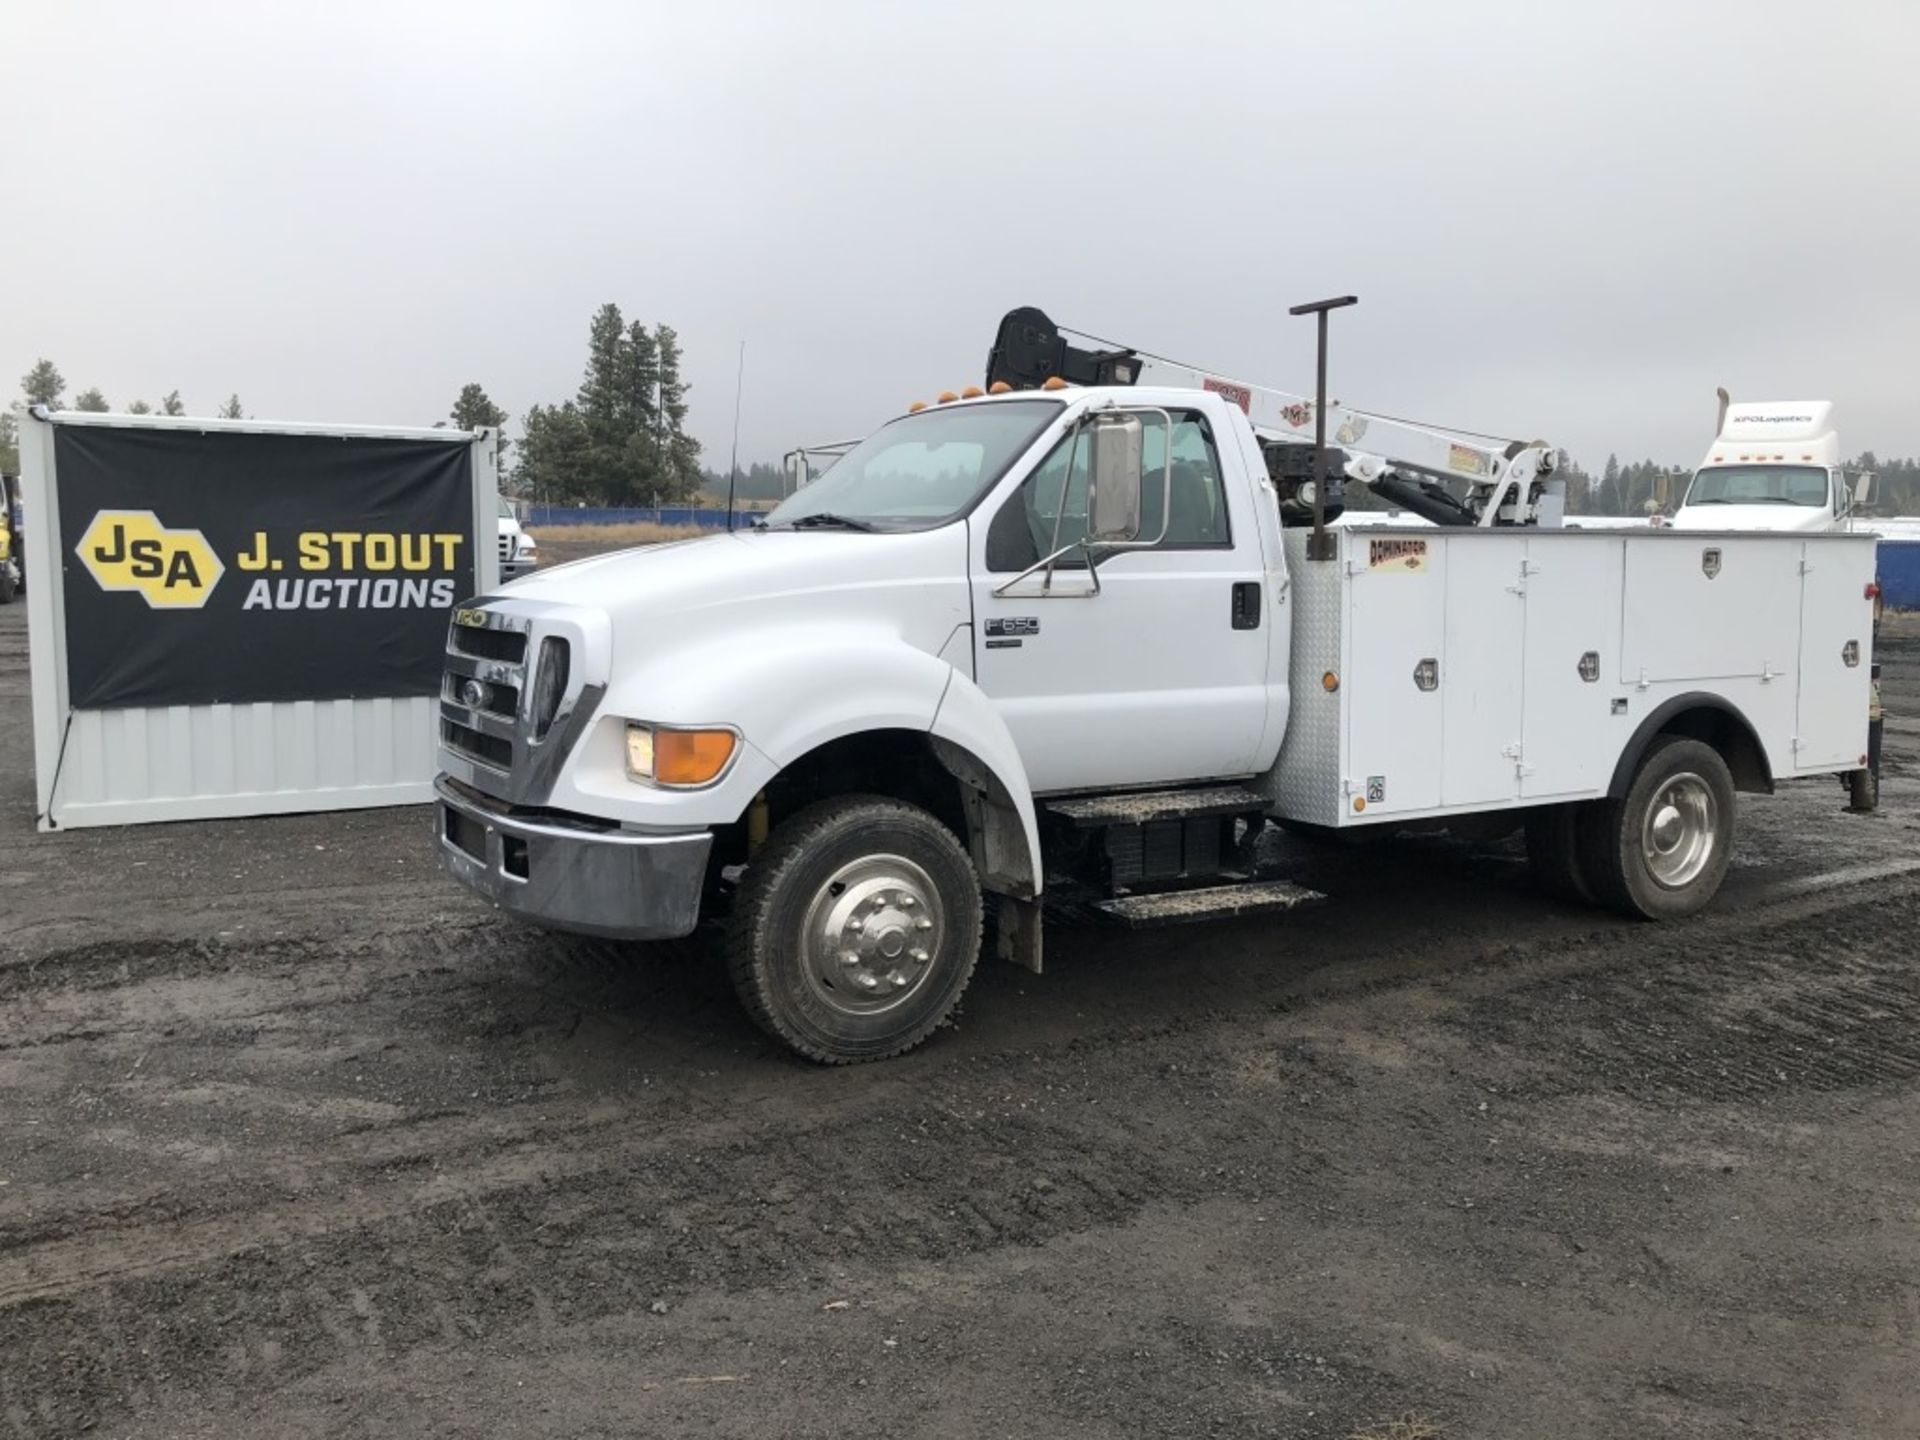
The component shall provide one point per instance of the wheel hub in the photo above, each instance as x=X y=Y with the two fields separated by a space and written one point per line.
x=872 y=931
x=1677 y=836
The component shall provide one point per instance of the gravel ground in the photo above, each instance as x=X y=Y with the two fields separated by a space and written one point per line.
x=296 y=1140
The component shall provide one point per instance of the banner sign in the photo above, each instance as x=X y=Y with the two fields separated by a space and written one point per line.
x=226 y=568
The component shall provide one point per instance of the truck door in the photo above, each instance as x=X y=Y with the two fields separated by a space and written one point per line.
x=1162 y=675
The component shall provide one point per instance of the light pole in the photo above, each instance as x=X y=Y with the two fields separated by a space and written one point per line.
x=1320 y=546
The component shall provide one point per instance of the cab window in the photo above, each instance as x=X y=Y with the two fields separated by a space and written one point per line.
x=1049 y=510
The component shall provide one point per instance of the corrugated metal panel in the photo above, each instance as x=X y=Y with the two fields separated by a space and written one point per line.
x=210 y=760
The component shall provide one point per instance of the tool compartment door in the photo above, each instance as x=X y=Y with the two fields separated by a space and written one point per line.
x=1571 y=737
x=1830 y=722
x=1396 y=597
x=1705 y=606
x=1480 y=673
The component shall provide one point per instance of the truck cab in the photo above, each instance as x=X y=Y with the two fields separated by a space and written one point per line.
x=1774 y=465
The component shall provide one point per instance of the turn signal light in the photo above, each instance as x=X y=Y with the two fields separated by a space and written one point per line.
x=681 y=758
x=1329 y=682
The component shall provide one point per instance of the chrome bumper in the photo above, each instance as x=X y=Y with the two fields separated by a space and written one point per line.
x=598 y=882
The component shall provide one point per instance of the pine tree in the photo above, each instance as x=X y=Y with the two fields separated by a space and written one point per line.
x=171 y=404
x=681 y=459
x=231 y=410
x=639 y=415
x=44 y=385
x=91 y=401
x=474 y=409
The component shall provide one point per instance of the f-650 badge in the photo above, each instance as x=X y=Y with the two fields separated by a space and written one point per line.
x=132 y=550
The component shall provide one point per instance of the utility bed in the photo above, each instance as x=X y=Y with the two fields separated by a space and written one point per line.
x=1440 y=670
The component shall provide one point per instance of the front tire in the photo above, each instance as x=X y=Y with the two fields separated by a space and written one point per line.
x=8 y=588
x=1661 y=851
x=855 y=929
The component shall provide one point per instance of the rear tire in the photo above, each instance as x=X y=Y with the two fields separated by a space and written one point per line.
x=8 y=589
x=1661 y=851
x=855 y=929
x=1554 y=853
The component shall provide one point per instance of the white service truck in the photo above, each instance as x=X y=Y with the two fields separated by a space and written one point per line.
x=1773 y=465
x=1063 y=643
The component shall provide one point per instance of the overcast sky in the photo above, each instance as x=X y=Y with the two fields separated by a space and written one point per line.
x=1563 y=220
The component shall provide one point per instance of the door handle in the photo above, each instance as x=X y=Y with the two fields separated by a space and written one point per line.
x=1246 y=604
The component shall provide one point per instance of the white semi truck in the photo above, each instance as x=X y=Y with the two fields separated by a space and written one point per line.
x=1063 y=643
x=1773 y=465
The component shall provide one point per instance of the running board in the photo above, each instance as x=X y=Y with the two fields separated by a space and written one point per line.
x=1216 y=902
x=1144 y=807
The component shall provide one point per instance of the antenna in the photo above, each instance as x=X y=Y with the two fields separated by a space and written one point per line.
x=733 y=462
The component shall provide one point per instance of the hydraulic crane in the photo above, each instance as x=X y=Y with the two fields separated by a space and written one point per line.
x=1448 y=477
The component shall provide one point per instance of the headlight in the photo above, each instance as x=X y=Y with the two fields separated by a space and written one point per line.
x=549 y=684
x=526 y=547
x=681 y=759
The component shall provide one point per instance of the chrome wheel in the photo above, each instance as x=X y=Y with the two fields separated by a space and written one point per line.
x=870 y=934
x=1677 y=833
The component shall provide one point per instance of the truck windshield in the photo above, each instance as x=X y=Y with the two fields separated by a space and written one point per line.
x=1759 y=485
x=920 y=471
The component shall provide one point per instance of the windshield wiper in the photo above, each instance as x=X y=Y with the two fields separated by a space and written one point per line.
x=826 y=519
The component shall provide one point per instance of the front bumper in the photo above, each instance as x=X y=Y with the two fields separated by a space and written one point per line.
x=597 y=882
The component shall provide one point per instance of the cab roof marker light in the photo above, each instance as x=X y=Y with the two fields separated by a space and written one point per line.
x=1000 y=387
x=945 y=397
x=1054 y=382
x=972 y=392
x=916 y=407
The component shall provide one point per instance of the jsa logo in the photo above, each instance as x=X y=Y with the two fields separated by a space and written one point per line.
x=132 y=550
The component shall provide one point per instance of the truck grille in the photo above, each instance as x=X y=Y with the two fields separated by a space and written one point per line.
x=492 y=750
x=507 y=646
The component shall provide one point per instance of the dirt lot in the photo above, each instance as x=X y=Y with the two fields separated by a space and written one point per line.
x=298 y=1141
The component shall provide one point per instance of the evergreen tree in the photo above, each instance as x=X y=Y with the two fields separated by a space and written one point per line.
x=44 y=385
x=681 y=452
x=9 y=444
x=171 y=404
x=139 y=407
x=231 y=410
x=91 y=401
x=640 y=470
x=474 y=409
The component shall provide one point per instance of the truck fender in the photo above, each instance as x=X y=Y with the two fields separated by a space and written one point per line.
x=1724 y=727
x=791 y=691
x=971 y=739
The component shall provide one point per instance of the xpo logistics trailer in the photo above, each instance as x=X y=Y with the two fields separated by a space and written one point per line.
x=1067 y=640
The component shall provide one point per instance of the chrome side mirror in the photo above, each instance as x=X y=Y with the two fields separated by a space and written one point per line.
x=1865 y=486
x=1118 y=454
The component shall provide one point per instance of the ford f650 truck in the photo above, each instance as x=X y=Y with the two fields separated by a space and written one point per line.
x=1059 y=642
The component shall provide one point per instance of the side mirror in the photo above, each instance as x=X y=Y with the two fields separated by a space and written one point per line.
x=797 y=475
x=1866 y=486
x=1118 y=448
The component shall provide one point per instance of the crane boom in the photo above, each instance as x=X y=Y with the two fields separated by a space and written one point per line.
x=1505 y=482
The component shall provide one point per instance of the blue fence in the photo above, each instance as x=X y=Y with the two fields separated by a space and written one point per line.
x=1900 y=574
x=706 y=517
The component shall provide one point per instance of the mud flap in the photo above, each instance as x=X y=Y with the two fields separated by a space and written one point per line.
x=1018 y=935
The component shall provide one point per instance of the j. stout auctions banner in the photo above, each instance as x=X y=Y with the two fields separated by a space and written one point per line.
x=218 y=567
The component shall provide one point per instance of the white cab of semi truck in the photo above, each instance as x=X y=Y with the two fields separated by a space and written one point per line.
x=1060 y=645
x=1774 y=465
